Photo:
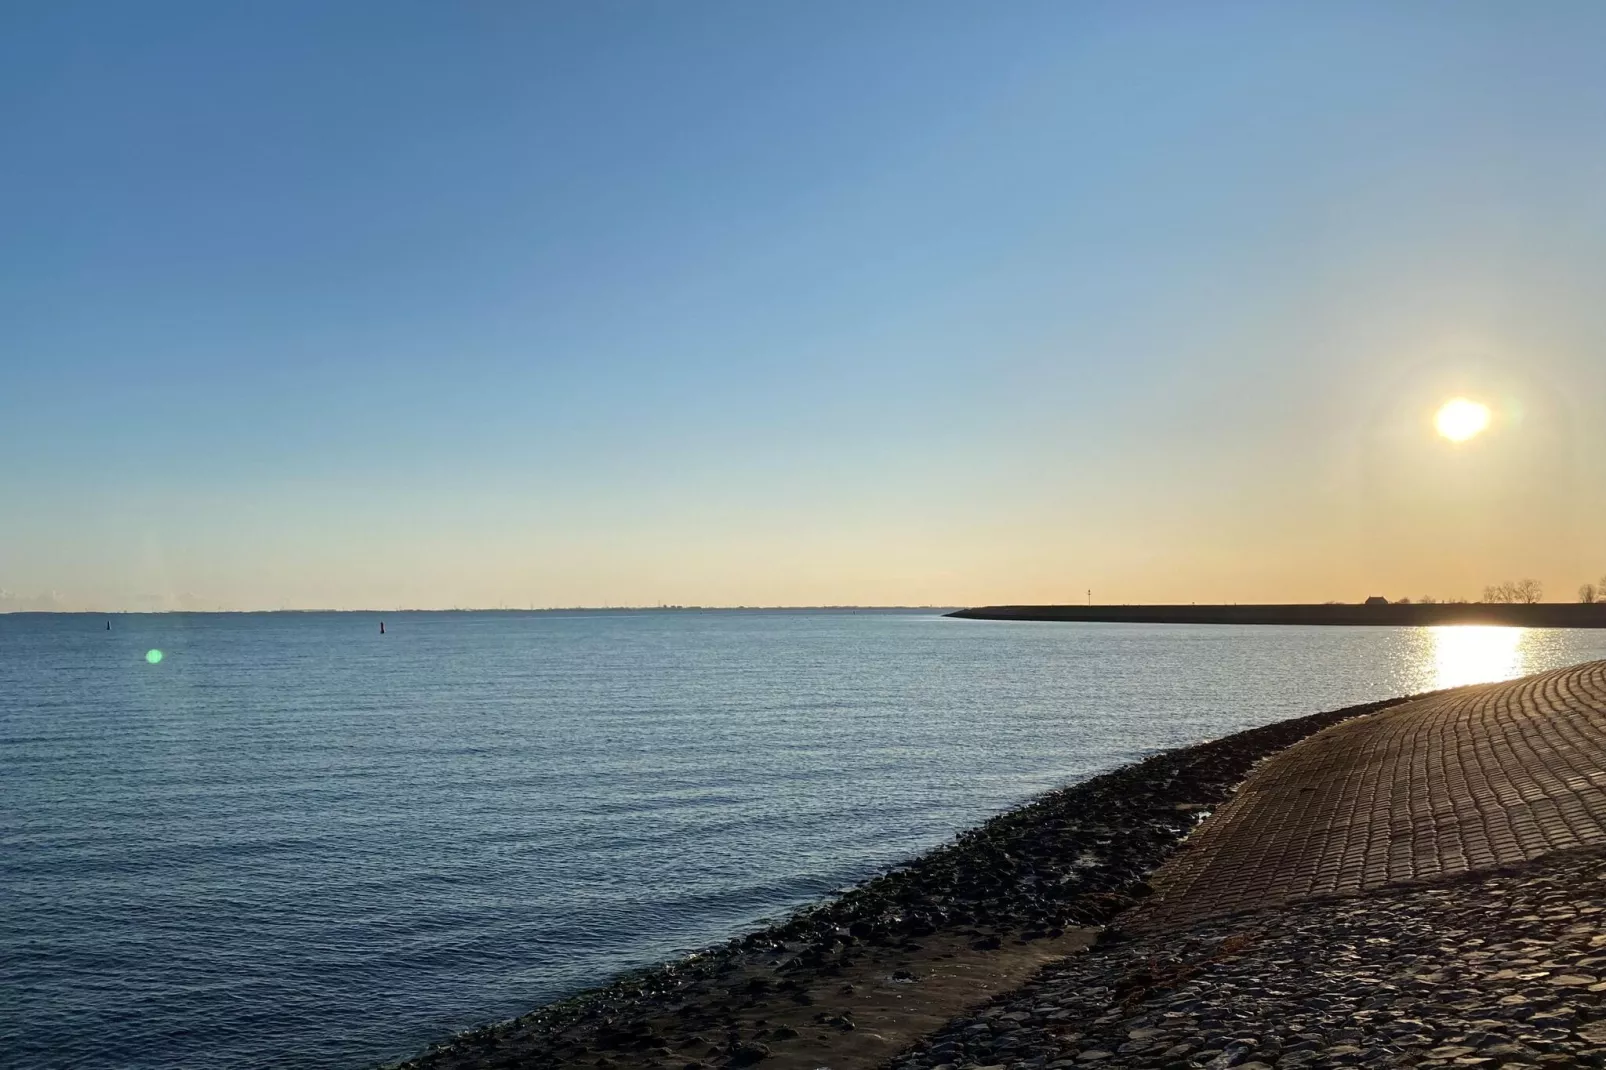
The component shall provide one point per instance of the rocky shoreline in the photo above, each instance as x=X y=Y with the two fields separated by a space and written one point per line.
x=1503 y=969
x=1069 y=860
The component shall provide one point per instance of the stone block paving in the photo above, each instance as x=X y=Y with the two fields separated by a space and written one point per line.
x=1472 y=779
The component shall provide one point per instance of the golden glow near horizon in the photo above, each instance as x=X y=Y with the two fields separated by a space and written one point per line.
x=1460 y=419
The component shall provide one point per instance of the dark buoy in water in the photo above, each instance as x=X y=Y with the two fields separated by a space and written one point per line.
x=381 y=627
x=108 y=626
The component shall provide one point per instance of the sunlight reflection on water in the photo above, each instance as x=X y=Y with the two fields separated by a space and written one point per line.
x=1478 y=654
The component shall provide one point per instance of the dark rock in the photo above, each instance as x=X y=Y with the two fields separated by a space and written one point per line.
x=749 y=1053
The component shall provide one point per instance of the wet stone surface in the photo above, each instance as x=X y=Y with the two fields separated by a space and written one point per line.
x=1503 y=969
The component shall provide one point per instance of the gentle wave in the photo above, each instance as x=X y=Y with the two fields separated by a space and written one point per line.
x=296 y=843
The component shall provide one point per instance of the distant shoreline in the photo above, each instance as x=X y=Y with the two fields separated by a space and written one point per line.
x=1542 y=615
x=1412 y=614
x=550 y=610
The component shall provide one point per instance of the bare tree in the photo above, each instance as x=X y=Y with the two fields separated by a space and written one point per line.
x=1428 y=600
x=1526 y=592
x=1588 y=594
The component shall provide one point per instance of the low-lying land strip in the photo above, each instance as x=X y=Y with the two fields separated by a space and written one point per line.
x=1411 y=614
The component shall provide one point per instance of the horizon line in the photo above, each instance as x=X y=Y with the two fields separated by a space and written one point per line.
x=477 y=609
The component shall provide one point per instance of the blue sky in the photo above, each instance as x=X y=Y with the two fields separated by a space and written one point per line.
x=371 y=305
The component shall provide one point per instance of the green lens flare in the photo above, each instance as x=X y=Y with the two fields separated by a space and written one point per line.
x=153 y=656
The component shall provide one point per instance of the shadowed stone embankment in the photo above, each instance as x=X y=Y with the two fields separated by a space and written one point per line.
x=1503 y=971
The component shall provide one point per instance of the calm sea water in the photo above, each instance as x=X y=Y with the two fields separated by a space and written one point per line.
x=294 y=842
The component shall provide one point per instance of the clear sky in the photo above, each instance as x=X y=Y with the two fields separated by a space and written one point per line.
x=381 y=304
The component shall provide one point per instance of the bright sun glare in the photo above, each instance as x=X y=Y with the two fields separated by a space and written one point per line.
x=1460 y=419
x=1476 y=654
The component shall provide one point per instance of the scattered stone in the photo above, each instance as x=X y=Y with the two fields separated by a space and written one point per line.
x=1393 y=978
x=749 y=1054
x=1573 y=980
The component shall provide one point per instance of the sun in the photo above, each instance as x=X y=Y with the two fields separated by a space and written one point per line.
x=1460 y=419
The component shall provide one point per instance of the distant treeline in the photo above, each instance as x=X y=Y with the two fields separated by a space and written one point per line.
x=1376 y=613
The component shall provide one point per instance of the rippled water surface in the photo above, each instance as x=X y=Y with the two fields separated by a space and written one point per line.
x=294 y=842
